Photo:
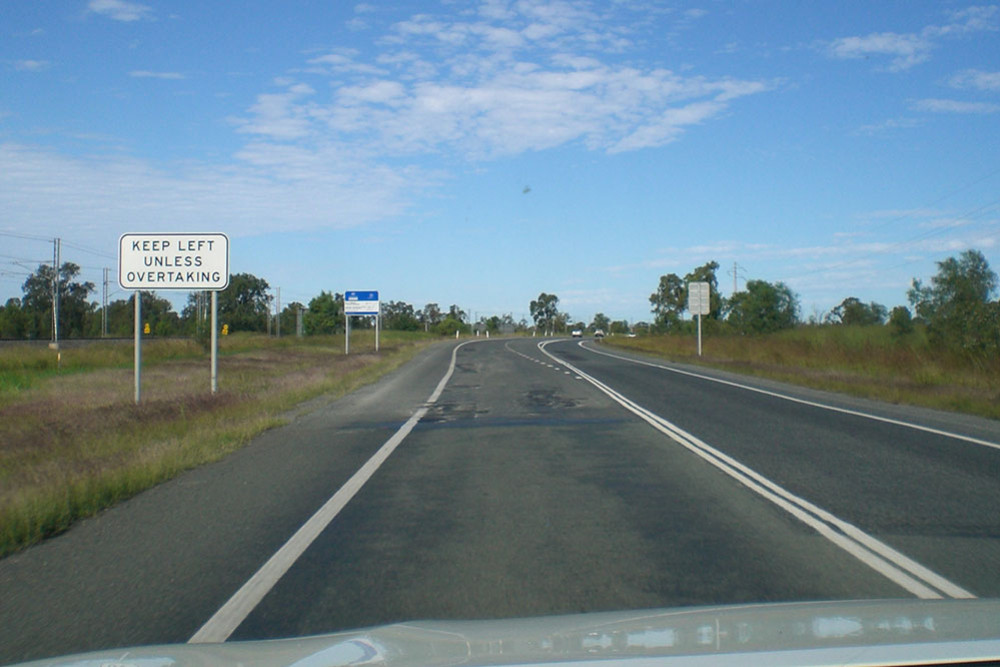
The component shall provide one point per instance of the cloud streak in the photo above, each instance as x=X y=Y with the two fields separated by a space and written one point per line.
x=906 y=50
x=146 y=74
x=955 y=106
x=120 y=10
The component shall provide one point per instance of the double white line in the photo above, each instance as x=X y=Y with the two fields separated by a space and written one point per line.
x=882 y=558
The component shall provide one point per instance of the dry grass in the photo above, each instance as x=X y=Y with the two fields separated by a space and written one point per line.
x=73 y=442
x=861 y=361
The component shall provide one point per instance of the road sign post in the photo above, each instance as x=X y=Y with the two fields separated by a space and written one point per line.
x=699 y=303
x=138 y=346
x=173 y=261
x=360 y=304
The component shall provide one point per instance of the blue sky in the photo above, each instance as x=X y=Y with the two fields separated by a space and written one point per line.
x=479 y=153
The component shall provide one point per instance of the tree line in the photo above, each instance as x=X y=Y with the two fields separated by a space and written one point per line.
x=244 y=305
x=956 y=308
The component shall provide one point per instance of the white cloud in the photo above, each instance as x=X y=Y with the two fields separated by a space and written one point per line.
x=955 y=106
x=279 y=116
x=338 y=141
x=976 y=80
x=482 y=111
x=971 y=19
x=909 y=49
x=31 y=65
x=323 y=188
x=905 y=50
x=146 y=74
x=509 y=78
x=120 y=10
x=888 y=125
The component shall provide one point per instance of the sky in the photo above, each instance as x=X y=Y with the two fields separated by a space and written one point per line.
x=480 y=153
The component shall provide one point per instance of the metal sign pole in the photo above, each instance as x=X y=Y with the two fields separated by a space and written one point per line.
x=347 y=334
x=138 y=344
x=377 y=318
x=699 y=334
x=215 y=341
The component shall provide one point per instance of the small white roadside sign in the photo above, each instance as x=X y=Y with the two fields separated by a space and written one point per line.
x=699 y=299
x=175 y=261
x=699 y=303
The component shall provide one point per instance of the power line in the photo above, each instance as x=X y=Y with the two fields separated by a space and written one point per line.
x=30 y=237
x=82 y=248
x=901 y=245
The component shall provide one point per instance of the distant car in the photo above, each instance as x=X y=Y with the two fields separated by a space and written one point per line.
x=577 y=333
x=599 y=333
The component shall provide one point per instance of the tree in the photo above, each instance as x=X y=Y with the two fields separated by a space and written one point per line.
x=956 y=305
x=430 y=316
x=74 y=309
x=14 y=321
x=900 y=321
x=449 y=326
x=545 y=311
x=290 y=318
x=325 y=314
x=763 y=308
x=456 y=313
x=853 y=312
x=158 y=313
x=601 y=321
x=619 y=327
x=399 y=316
x=668 y=301
x=244 y=305
x=196 y=315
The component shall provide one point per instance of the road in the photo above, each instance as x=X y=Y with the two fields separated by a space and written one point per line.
x=512 y=478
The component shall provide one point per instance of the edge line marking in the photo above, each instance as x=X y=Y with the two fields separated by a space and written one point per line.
x=229 y=617
x=786 y=397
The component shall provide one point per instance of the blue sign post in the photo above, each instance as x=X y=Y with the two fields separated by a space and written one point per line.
x=360 y=303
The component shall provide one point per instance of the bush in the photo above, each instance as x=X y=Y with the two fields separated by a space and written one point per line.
x=900 y=322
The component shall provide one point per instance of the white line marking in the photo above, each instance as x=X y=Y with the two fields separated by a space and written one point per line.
x=229 y=617
x=899 y=568
x=823 y=406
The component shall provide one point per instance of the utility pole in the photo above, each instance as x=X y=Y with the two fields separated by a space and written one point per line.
x=277 y=313
x=104 y=306
x=736 y=273
x=55 y=292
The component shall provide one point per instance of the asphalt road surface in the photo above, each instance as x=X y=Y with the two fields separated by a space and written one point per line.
x=513 y=478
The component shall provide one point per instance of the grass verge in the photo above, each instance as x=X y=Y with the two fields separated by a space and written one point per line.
x=72 y=442
x=861 y=361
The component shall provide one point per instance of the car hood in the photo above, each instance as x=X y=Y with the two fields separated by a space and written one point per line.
x=820 y=633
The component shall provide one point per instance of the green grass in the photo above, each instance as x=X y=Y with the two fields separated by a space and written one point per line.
x=860 y=361
x=72 y=442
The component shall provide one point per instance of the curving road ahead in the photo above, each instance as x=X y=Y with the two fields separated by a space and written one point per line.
x=511 y=478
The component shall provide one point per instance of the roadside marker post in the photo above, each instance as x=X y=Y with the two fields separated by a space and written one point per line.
x=173 y=261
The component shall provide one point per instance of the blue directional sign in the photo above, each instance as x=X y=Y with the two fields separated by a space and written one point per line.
x=361 y=302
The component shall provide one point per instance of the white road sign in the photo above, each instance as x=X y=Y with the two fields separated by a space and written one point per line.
x=699 y=299
x=173 y=261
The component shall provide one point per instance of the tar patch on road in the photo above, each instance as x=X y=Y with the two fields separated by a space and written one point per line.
x=547 y=400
